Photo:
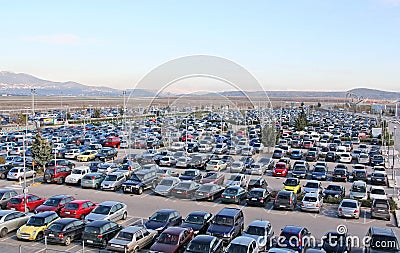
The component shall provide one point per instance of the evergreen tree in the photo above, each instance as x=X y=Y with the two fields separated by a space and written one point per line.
x=41 y=150
x=301 y=121
x=268 y=136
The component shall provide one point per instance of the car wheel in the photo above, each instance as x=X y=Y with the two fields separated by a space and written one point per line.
x=3 y=232
x=140 y=191
x=124 y=216
x=61 y=180
x=40 y=236
x=3 y=176
x=104 y=243
x=67 y=241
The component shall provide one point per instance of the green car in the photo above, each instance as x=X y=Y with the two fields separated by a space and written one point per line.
x=233 y=194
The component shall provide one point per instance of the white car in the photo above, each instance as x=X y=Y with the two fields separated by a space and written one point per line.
x=363 y=158
x=312 y=202
x=17 y=173
x=377 y=192
x=345 y=158
x=204 y=148
x=77 y=174
x=72 y=154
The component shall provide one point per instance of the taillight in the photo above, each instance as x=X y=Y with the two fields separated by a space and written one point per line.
x=340 y=209
x=60 y=235
x=300 y=241
x=93 y=177
x=100 y=236
x=355 y=211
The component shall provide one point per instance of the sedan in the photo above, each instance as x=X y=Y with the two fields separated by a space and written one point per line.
x=334 y=191
x=166 y=185
x=319 y=173
x=11 y=220
x=350 y=208
x=198 y=221
x=185 y=189
x=108 y=210
x=205 y=243
x=208 y=191
x=32 y=201
x=215 y=165
x=213 y=177
x=312 y=202
x=173 y=239
x=233 y=194
x=258 y=197
x=191 y=174
x=132 y=239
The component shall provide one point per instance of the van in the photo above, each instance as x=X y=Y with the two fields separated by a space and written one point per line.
x=382 y=240
x=227 y=224
x=359 y=190
x=140 y=181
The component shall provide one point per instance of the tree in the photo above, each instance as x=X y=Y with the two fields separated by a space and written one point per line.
x=96 y=113
x=319 y=105
x=41 y=150
x=301 y=121
x=268 y=136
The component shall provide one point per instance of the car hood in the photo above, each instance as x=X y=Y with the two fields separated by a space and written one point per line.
x=308 y=189
x=74 y=176
x=162 y=188
x=155 y=224
x=132 y=182
x=161 y=247
x=95 y=216
x=186 y=177
x=30 y=229
x=332 y=192
x=108 y=182
x=290 y=188
x=220 y=229
x=43 y=208
x=195 y=227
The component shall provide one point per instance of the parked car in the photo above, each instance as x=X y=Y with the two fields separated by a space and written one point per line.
x=77 y=174
x=4 y=169
x=54 y=203
x=237 y=167
x=192 y=175
x=162 y=219
x=185 y=189
x=313 y=186
x=380 y=208
x=236 y=180
x=262 y=232
x=183 y=162
x=336 y=242
x=34 y=228
x=257 y=182
x=300 y=233
x=285 y=200
x=18 y=173
x=377 y=192
x=319 y=173
x=258 y=197
x=215 y=165
x=350 y=208
x=108 y=210
x=61 y=162
x=334 y=191
x=92 y=180
x=256 y=169
x=281 y=170
x=106 y=153
x=167 y=161
x=292 y=184
x=312 y=202
x=11 y=220
x=242 y=244
x=173 y=240
x=64 y=231
x=208 y=191
x=378 y=178
x=205 y=243
x=166 y=185
x=141 y=180
x=113 y=181
x=382 y=240
x=17 y=203
x=87 y=155
x=132 y=239
x=377 y=160
x=107 y=168
x=198 y=221
x=340 y=174
x=5 y=196
x=72 y=153
x=112 y=141
x=213 y=177
x=227 y=224
x=359 y=190
x=299 y=171
x=100 y=232
x=56 y=174
x=233 y=194
x=77 y=209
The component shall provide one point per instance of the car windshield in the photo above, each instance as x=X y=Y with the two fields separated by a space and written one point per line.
x=77 y=172
x=236 y=165
x=197 y=247
x=291 y=182
x=159 y=217
x=360 y=174
x=111 y=178
x=189 y=173
x=166 y=182
x=253 y=230
x=378 y=191
x=358 y=188
x=184 y=185
x=211 y=175
x=56 y=227
x=166 y=238
x=256 y=193
x=333 y=188
x=52 y=202
x=236 y=248
x=349 y=204
x=235 y=178
x=102 y=210
x=311 y=185
x=299 y=168
x=205 y=188
x=35 y=221
x=386 y=243
x=125 y=236
x=231 y=191
x=195 y=219
x=71 y=206
x=319 y=169
x=223 y=220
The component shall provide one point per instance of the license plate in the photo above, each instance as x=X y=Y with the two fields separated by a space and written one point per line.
x=255 y=199
x=227 y=197
x=282 y=206
x=51 y=235
x=178 y=192
x=68 y=212
x=13 y=208
x=116 y=246
x=200 y=194
x=89 y=241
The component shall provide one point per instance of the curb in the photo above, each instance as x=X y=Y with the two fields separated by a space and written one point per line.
x=36 y=184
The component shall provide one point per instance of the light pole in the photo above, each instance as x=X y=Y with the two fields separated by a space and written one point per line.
x=393 y=169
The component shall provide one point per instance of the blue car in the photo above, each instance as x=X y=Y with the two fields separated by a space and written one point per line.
x=294 y=238
x=227 y=224
x=296 y=154
x=319 y=173
x=163 y=219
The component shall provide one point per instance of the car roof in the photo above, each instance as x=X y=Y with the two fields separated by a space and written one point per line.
x=166 y=211
x=65 y=221
x=229 y=211
x=292 y=229
x=175 y=230
x=242 y=240
x=59 y=196
x=198 y=213
x=382 y=231
x=110 y=203
x=79 y=201
x=203 y=238
x=259 y=223
x=45 y=214
x=311 y=194
x=132 y=229
x=5 y=212
x=98 y=223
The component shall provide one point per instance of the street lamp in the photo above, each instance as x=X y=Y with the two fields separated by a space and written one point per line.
x=393 y=169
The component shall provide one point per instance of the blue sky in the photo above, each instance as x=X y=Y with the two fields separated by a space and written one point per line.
x=286 y=45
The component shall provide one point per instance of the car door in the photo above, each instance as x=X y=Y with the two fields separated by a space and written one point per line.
x=78 y=227
x=113 y=216
x=20 y=219
x=10 y=222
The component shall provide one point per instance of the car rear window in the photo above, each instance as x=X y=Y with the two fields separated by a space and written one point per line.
x=349 y=204
x=92 y=230
x=310 y=199
x=72 y=206
x=15 y=200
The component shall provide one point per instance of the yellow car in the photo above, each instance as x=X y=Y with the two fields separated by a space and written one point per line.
x=87 y=155
x=292 y=184
x=34 y=228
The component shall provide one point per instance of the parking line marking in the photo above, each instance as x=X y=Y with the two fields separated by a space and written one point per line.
x=72 y=247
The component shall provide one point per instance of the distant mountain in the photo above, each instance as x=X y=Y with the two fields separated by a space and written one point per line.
x=20 y=84
x=375 y=94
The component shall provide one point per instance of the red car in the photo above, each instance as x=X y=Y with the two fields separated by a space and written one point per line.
x=280 y=170
x=173 y=240
x=32 y=201
x=54 y=203
x=112 y=141
x=77 y=209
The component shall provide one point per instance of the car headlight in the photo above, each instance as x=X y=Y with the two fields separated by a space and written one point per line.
x=336 y=196
x=159 y=229
x=34 y=232
x=19 y=231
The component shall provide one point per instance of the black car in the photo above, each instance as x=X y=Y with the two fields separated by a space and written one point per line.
x=330 y=157
x=378 y=178
x=227 y=224
x=94 y=166
x=285 y=200
x=65 y=230
x=61 y=162
x=334 y=242
x=199 y=221
x=247 y=160
x=334 y=191
x=257 y=182
x=140 y=181
x=106 y=153
x=185 y=189
x=340 y=174
x=258 y=197
x=208 y=191
x=192 y=147
x=99 y=232
x=163 y=219
x=205 y=243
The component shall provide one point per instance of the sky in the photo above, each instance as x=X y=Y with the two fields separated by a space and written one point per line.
x=319 y=45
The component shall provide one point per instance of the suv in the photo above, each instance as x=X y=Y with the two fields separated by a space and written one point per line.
x=285 y=199
x=380 y=208
x=227 y=224
x=56 y=174
x=382 y=240
x=106 y=153
x=141 y=180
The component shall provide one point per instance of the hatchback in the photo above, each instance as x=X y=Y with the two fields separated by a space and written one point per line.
x=261 y=231
x=312 y=202
x=54 y=203
x=32 y=201
x=36 y=225
x=233 y=194
x=77 y=209
x=18 y=173
x=100 y=232
x=108 y=210
x=285 y=200
x=64 y=231
x=113 y=181
x=242 y=244
x=92 y=180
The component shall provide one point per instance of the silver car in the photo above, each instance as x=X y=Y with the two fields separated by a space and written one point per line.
x=237 y=167
x=17 y=173
x=11 y=220
x=108 y=210
x=349 y=208
x=312 y=202
x=166 y=185
x=113 y=181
